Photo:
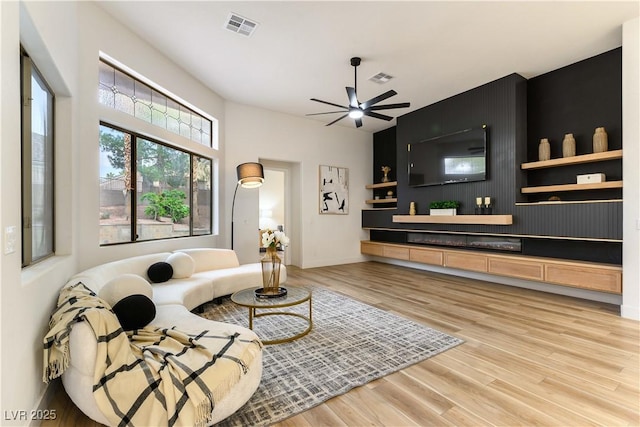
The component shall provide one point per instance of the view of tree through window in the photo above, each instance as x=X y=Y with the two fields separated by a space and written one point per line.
x=172 y=189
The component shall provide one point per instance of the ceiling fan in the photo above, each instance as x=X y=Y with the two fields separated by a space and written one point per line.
x=356 y=109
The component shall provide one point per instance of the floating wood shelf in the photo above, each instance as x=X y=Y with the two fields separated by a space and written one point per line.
x=455 y=219
x=377 y=201
x=393 y=208
x=572 y=187
x=574 y=160
x=381 y=185
x=568 y=202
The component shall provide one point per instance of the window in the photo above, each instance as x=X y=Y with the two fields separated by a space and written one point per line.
x=149 y=190
x=37 y=165
x=118 y=90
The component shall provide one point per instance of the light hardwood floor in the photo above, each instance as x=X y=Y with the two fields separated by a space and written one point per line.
x=529 y=358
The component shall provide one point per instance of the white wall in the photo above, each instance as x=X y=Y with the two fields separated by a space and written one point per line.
x=99 y=32
x=254 y=133
x=64 y=39
x=27 y=297
x=631 y=172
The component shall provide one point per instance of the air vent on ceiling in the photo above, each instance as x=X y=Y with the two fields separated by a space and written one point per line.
x=381 y=78
x=241 y=25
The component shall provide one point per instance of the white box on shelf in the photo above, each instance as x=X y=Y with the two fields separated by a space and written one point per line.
x=591 y=178
x=443 y=212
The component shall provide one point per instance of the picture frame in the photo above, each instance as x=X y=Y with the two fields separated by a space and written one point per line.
x=334 y=190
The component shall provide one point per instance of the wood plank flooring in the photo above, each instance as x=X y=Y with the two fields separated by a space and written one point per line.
x=529 y=358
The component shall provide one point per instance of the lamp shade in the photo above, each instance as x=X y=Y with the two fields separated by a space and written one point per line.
x=250 y=175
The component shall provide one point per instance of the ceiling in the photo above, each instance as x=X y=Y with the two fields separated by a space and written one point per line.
x=434 y=50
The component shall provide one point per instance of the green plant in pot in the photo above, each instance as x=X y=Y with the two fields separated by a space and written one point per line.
x=443 y=207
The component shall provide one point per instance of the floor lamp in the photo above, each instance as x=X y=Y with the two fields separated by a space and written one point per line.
x=250 y=175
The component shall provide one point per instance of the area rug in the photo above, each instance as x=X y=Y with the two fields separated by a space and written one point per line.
x=351 y=344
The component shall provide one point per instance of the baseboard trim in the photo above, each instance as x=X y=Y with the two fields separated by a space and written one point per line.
x=44 y=405
x=630 y=312
x=333 y=261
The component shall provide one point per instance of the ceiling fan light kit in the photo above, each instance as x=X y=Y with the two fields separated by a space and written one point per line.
x=356 y=110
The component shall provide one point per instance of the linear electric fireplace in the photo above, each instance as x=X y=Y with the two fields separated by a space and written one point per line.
x=496 y=243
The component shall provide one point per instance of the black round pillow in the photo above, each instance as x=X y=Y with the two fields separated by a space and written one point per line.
x=160 y=272
x=135 y=311
x=129 y=296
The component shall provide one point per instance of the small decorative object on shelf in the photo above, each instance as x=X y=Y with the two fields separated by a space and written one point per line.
x=600 y=141
x=486 y=209
x=390 y=194
x=568 y=145
x=444 y=207
x=385 y=171
x=544 y=150
x=412 y=208
x=591 y=178
x=478 y=208
x=271 y=263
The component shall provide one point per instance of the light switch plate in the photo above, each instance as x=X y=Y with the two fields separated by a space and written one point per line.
x=10 y=237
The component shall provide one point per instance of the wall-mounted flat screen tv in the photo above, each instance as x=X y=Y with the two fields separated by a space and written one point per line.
x=446 y=159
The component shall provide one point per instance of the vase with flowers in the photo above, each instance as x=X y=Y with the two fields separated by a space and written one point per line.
x=271 y=262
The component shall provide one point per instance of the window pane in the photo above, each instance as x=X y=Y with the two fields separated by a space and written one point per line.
x=115 y=181
x=118 y=90
x=124 y=93
x=107 y=85
x=201 y=197
x=163 y=198
x=41 y=169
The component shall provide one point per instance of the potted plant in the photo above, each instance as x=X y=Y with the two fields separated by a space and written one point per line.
x=443 y=207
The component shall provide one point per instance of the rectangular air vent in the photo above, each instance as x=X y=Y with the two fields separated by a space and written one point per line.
x=241 y=25
x=381 y=78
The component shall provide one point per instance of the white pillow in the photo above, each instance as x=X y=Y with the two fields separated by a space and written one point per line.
x=183 y=265
x=124 y=285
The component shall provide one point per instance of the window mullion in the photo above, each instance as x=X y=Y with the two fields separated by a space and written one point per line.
x=132 y=184
x=26 y=162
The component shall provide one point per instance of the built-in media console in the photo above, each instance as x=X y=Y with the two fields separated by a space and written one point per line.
x=578 y=274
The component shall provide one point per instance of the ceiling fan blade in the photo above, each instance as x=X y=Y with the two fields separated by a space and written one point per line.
x=329 y=103
x=377 y=115
x=367 y=104
x=328 y=112
x=338 y=119
x=353 y=99
x=389 y=106
x=358 y=122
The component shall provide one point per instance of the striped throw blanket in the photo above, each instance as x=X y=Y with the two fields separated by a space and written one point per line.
x=150 y=376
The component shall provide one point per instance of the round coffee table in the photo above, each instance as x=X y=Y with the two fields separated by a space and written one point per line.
x=295 y=296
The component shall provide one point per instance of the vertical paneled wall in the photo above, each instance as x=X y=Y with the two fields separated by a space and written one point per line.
x=499 y=105
x=574 y=99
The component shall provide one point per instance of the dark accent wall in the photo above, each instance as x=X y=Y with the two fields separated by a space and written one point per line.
x=384 y=154
x=574 y=99
x=501 y=105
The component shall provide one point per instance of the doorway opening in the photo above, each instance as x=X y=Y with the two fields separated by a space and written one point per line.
x=279 y=205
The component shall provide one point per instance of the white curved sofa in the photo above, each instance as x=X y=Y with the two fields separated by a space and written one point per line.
x=217 y=273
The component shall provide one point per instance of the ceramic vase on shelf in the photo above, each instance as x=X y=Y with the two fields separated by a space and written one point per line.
x=271 y=272
x=568 y=146
x=544 y=150
x=600 y=141
x=412 y=208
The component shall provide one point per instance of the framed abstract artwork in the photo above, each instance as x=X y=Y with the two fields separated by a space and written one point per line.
x=334 y=190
